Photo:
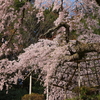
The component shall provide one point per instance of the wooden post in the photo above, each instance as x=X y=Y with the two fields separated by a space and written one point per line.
x=47 y=96
x=65 y=90
x=30 y=84
x=79 y=80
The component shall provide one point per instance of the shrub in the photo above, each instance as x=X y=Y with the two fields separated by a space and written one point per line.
x=87 y=93
x=33 y=96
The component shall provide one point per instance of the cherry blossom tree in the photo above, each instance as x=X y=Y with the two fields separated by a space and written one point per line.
x=51 y=59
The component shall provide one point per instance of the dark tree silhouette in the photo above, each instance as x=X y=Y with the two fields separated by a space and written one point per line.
x=98 y=2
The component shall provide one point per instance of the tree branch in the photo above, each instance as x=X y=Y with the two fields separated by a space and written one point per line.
x=49 y=32
x=80 y=49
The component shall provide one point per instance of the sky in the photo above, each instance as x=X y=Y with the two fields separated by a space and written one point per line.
x=72 y=0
